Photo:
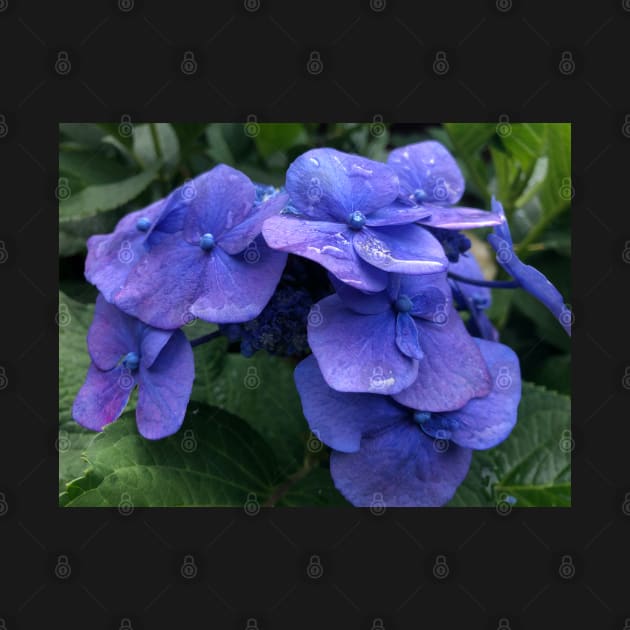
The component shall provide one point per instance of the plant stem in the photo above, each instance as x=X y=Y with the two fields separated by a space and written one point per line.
x=297 y=476
x=205 y=338
x=492 y=284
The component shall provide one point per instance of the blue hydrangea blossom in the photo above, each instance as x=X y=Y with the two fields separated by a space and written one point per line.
x=126 y=352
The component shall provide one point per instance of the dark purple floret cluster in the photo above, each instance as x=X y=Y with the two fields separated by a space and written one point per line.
x=399 y=386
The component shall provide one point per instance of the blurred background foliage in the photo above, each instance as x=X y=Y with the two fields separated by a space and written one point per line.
x=109 y=169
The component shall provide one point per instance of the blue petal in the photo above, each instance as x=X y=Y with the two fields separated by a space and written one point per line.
x=338 y=419
x=103 y=397
x=407 y=336
x=407 y=249
x=484 y=422
x=427 y=172
x=164 y=389
x=400 y=467
x=358 y=353
x=453 y=370
x=327 y=184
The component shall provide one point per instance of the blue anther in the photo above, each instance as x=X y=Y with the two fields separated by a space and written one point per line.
x=206 y=242
x=356 y=220
x=143 y=224
x=403 y=304
x=131 y=361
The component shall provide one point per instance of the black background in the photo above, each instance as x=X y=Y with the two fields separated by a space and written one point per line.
x=375 y=62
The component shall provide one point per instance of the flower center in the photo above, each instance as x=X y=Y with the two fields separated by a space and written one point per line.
x=403 y=304
x=131 y=361
x=206 y=242
x=356 y=220
x=143 y=224
x=421 y=417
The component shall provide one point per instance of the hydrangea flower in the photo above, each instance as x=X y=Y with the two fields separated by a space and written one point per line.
x=206 y=258
x=529 y=278
x=344 y=217
x=407 y=341
x=126 y=352
x=110 y=257
x=409 y=457
x=431 y=182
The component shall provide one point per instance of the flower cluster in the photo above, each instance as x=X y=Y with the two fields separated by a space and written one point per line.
x=406 y=376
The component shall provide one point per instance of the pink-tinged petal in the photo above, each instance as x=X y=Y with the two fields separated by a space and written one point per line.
x=240 y=236
x=453 y=369
x=220 y=199
x=484 y=422
x=406 y=249
x=110 y=257
x=358 y=353
x=340 y=419
x=400 y=467
x=152 y=342
x=327 y=184
x=237 y=288
x=112 y=335
x=164 y=389
x=359 y=301
x=459 y=218
x=164 y=284
x=103 y=397
x=329 y=244
x=407 y=336
x=397 y=214
x=427 y=173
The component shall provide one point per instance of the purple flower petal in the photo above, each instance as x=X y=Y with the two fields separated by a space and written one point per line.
x=103 y=397
x=407 y=336
x=340 y=419
x=359 y=301
x=164 y=284
x=400 y=249
x=484 y=422
x=164 y=389
x=358 y=353
x=427 y=172
x=326 y=184
x=237 y=288
x=397 y=214
x=402 y=467
x=459 y=218
x=111 y=336
x=237 y=238
x=429 y=294
x=111 y=257
x=152 y=342
x=453 y=370
x=329 y=244
x=530 y=279
x=221 y=199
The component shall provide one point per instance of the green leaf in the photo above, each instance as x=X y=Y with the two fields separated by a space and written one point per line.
x=555 y=192
x=274 y=137
x=94 y=199
x=218 y=149
x=216 y=459
x=533 y=465
x=73 y=235
x=74 y=320
x=91 y=167
x=525 y=143
x=316 y=489
x=260 y=390
x=87 y=135
x=150 y=156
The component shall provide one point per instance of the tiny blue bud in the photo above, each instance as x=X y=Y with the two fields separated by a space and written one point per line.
x=131 y=361
x=419 y=195
x=143 y=224
x=206 y=242
x=356 y=220
x=403 y=304
x=422 y=416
